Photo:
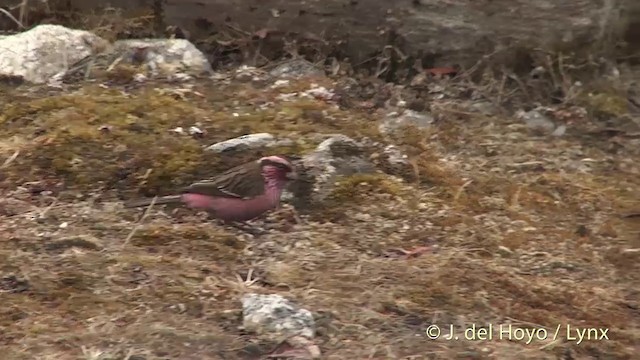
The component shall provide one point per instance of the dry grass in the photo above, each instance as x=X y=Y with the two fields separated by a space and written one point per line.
x=515 y=244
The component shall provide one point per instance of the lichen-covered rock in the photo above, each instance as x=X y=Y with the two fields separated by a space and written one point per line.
x=336 y=156
x=296 y=68
x=46 y=50
x=393 y=160
x=276 y=316
x=139 y=59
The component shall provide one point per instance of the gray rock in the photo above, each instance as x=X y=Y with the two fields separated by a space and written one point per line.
x=484 y=108
x=246 y=142
x=275 y=316
x=296 y=68
x=391 y=160
x=395 y=161
x=336 y=156
x=167 y=56
x=45 y=50
x=541 y=124
x=175 y=59
x=395 y=121
x=246 y=73
x=395 y=157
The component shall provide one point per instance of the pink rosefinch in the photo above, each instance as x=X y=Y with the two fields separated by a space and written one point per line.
x=239 y=194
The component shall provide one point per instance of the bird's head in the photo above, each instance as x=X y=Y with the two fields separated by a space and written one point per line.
x=277 y=167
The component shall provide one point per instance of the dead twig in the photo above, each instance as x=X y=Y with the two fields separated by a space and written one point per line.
x=8 y=14
x=467 y=73
x=46 y=210
x=10 y=159
x=461 y=190
x=135 y=228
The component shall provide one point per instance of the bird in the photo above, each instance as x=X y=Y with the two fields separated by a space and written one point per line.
x=239 y=194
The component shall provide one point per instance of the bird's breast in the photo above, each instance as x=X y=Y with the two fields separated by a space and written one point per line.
x=233 y=209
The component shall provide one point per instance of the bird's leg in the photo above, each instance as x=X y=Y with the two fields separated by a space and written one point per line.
x=296 y=216
x=242 y=226
x=289 y=212
x=246 y=228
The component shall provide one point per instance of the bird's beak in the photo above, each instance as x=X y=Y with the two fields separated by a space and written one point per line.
x=292 y=175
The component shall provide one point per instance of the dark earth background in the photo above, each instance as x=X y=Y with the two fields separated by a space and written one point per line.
x=437 y=32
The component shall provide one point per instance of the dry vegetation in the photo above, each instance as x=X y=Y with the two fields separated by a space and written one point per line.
x=520 y=229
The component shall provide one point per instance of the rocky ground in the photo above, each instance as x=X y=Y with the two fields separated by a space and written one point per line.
x=488 y=224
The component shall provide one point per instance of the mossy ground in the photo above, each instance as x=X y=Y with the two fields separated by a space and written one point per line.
x=527 y=233
x=99 y=139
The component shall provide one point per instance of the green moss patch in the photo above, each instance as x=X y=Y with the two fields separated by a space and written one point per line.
x=605 y=104
x=356 y=187
x=101 y=139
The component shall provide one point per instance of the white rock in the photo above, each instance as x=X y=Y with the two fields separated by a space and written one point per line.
x=280 y=83
x=250 y=141
x=276 y=316
x=178 y=130
x=321 y=93
x=45 y=50
x=336 y=139
x=168 y=56
x=194 y=130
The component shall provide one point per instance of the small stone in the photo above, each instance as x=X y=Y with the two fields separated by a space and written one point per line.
x=275 y=316
x=280 y=83
x=140 y=78
x=178 y=130
x=181 y=308
x=246 y=73
x=539 y=123
x=362 y=217
x=484 y=108
x=105 y=128
x=195 y=131
x=504 y=251
x=395 y=121
x=244 y=142
x=319 y=93
x=295 y=69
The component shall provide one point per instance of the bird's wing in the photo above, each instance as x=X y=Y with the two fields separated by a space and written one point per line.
x=244 y=181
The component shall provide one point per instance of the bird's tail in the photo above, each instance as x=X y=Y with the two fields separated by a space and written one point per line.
x=171 y=199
